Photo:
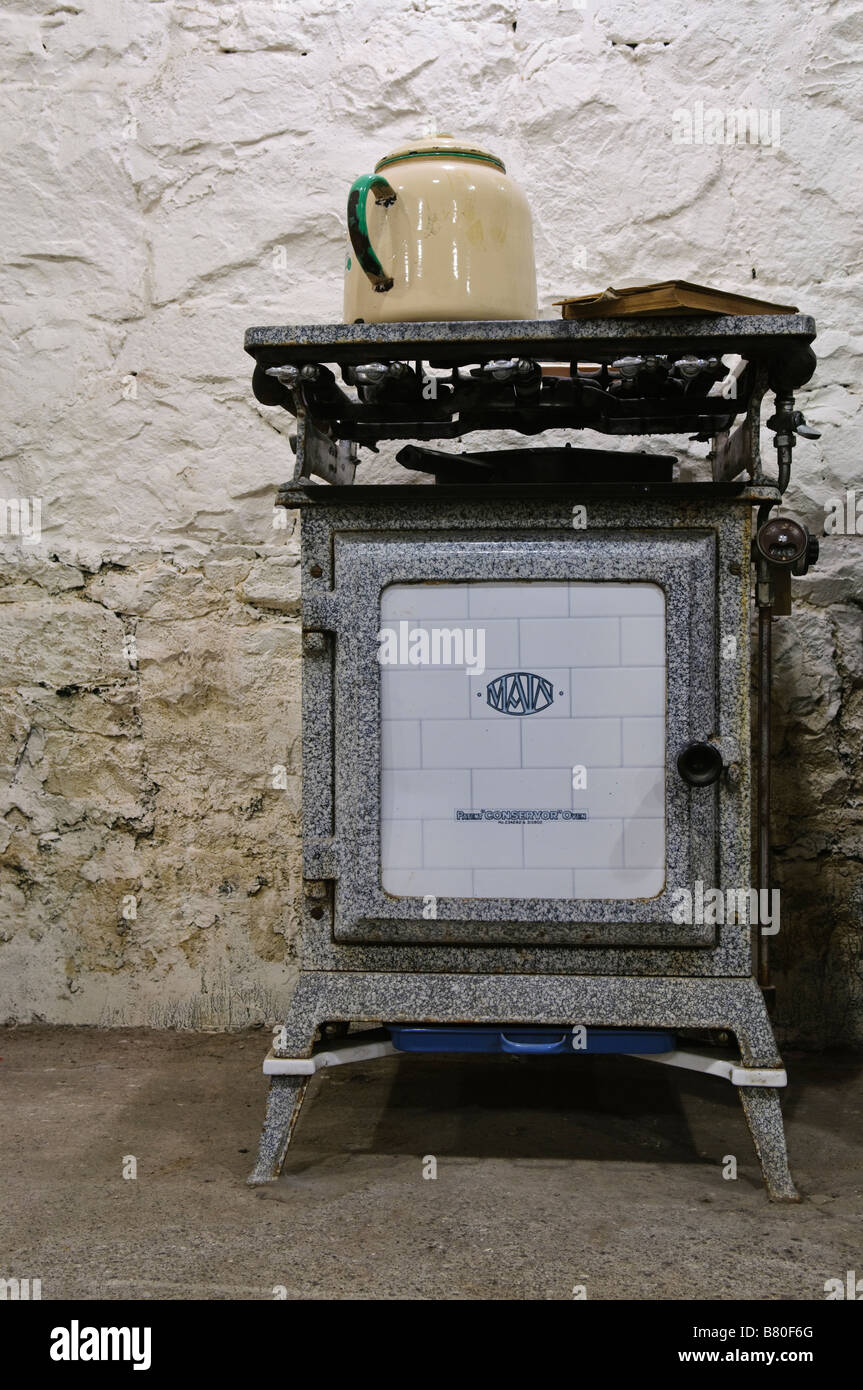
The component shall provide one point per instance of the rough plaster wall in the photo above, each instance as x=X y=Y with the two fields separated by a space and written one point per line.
x=174 y=172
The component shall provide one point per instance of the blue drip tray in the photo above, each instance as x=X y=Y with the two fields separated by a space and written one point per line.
x=526 y=1039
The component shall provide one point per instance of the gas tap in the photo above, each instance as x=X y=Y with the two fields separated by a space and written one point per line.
x=786 y=422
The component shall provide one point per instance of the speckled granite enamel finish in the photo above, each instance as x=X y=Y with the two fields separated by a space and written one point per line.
x=318 y=742
x=610 y=1001
x=764 y=1117
x=731 y=957
x=284 y=1099
x=755 y=337
x=359 y=548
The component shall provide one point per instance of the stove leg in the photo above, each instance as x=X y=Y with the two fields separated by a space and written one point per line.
x=764 y=1118
x=283 y=1107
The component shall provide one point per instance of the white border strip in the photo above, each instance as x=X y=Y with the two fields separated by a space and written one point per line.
x=333 y=1057
x=717 y=1066
x=690 y=1061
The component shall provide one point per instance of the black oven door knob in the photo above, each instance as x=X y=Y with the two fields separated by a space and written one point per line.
x=699 y=764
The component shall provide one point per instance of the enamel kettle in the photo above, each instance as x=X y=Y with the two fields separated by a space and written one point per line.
x=445 y=234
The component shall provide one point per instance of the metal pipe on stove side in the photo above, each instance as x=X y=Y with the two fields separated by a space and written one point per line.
x=785 y=422
x=764 y=597
x=782 y=547
x=765 y=677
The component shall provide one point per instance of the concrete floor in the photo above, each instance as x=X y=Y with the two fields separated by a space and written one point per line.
x=597 y=1171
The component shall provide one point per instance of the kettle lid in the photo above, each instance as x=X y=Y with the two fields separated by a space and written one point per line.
x=437 y=147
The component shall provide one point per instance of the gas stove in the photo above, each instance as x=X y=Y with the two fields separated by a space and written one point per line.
x=354 y=385
x=528 y=773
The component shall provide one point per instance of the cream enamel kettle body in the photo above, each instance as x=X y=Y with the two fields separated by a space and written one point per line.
x=439 y=231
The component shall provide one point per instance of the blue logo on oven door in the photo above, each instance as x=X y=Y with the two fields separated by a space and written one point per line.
x=520 y=692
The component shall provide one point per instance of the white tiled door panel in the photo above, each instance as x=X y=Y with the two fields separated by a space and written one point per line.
x=624 y=691
x=498 y=788
x=425 y=692
x=575 y=641
x=482 y=776
x=518 y=600
x=401 y=843
x=400 y=743
x=644 y=842
x=479 y=844
x=643 y=742
x=522 y=883
x=423 y=601
x=460 y=743
x=620 y=791
x=617 y=883
x=621 y=600
x=576 y=844
x=641 y=641
x=425 y=793
x=411 y=883
x=489 y=642
x=574 y=741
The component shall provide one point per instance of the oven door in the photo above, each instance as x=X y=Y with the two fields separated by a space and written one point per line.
x=507 y=721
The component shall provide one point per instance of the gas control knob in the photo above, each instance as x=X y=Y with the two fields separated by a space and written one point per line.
x=782 y=541
x=813 y=550
x=699 y=764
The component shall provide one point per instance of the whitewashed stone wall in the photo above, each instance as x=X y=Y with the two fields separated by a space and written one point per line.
x=173 y=172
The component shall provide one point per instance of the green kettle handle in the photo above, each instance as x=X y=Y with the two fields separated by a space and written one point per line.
x=358 y=229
